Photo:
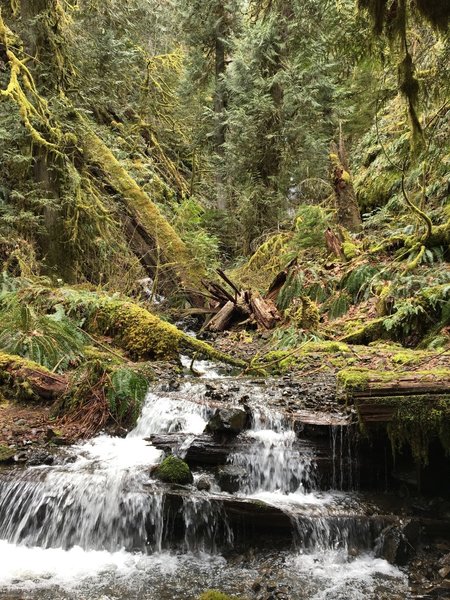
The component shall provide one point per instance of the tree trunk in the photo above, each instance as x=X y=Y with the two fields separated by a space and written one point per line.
x=348 y=214
x=220 y=102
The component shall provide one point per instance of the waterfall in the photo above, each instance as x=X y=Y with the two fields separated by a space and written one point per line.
x=97 y=520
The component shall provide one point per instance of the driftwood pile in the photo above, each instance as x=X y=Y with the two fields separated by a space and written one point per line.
x=235 y=307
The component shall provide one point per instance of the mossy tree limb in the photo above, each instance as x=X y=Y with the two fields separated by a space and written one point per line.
x=141 y=208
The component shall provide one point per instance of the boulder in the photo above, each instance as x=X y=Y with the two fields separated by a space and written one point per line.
x=397 y=543
x=228 y=420
x=173 y=470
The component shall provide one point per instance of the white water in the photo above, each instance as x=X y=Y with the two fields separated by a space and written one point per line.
x=91 y=526
x=275 y=471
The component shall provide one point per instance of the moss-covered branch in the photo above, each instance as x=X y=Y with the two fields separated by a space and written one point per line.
x=141 y=208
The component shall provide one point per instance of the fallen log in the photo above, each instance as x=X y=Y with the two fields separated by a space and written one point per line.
x=154 y=230
x=223 y=318
x=362 y=383
x=138 y=331
x=265 y=312
x=26 y=379
x=247 y=305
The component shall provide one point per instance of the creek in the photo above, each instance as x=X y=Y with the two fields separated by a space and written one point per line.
x=287 y=524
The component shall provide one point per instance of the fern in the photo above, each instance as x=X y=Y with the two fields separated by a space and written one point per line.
x=406 y=314
x=310 y=226
x=293 y=288
x=51 y=340
x=292 y=337
x=339 y=306
x=126 y=394
x=359 y=281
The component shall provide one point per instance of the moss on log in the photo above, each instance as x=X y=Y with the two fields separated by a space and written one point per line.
x=26 y=379
x=176 y=256
x=142 y=334
x=414 y=406
x=365 y=383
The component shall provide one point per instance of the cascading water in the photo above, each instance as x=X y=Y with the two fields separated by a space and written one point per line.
x=271 y=463
x=99 y=526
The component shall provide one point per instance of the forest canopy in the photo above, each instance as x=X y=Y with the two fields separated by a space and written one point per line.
x=161 y=140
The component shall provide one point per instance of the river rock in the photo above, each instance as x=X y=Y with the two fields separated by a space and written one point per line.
x=173 y=470
x=228 y=420
x=203 y=484
x=229 y=478
x=40 y=457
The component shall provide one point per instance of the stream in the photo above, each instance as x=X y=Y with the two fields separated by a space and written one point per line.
x=97 y=525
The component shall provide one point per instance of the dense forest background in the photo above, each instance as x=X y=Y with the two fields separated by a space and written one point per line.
x=165 y=138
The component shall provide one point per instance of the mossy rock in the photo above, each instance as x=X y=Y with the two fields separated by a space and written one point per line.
x=6 y=454
x=174 y=470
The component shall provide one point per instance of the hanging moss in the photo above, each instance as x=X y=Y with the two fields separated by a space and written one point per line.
x=377 y=11
x=417 y=421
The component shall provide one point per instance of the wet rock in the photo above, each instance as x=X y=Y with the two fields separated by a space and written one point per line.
x=228 y=420
x=174 y=470
x=444 y=572
x=203 y=484
x=229 y=478
x=398 y=542
x=40 y=457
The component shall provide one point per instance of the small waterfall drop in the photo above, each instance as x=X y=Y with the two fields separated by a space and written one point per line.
x=272 y=464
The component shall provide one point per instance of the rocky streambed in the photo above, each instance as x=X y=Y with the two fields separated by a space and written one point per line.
x=285 y=501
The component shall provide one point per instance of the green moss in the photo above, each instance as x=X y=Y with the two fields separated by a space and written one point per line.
x=366 y=333
x=174 y=470
x=139 y=332
x=346 y=176
x=6 y=454
x=310 y=314
x=372 y=190
x=141 y=207
x=405 y=358
x=417 y=421
x=350 y=250
x=353 y=379
x=216 y=595
x=21 y=377
x=356 y=378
